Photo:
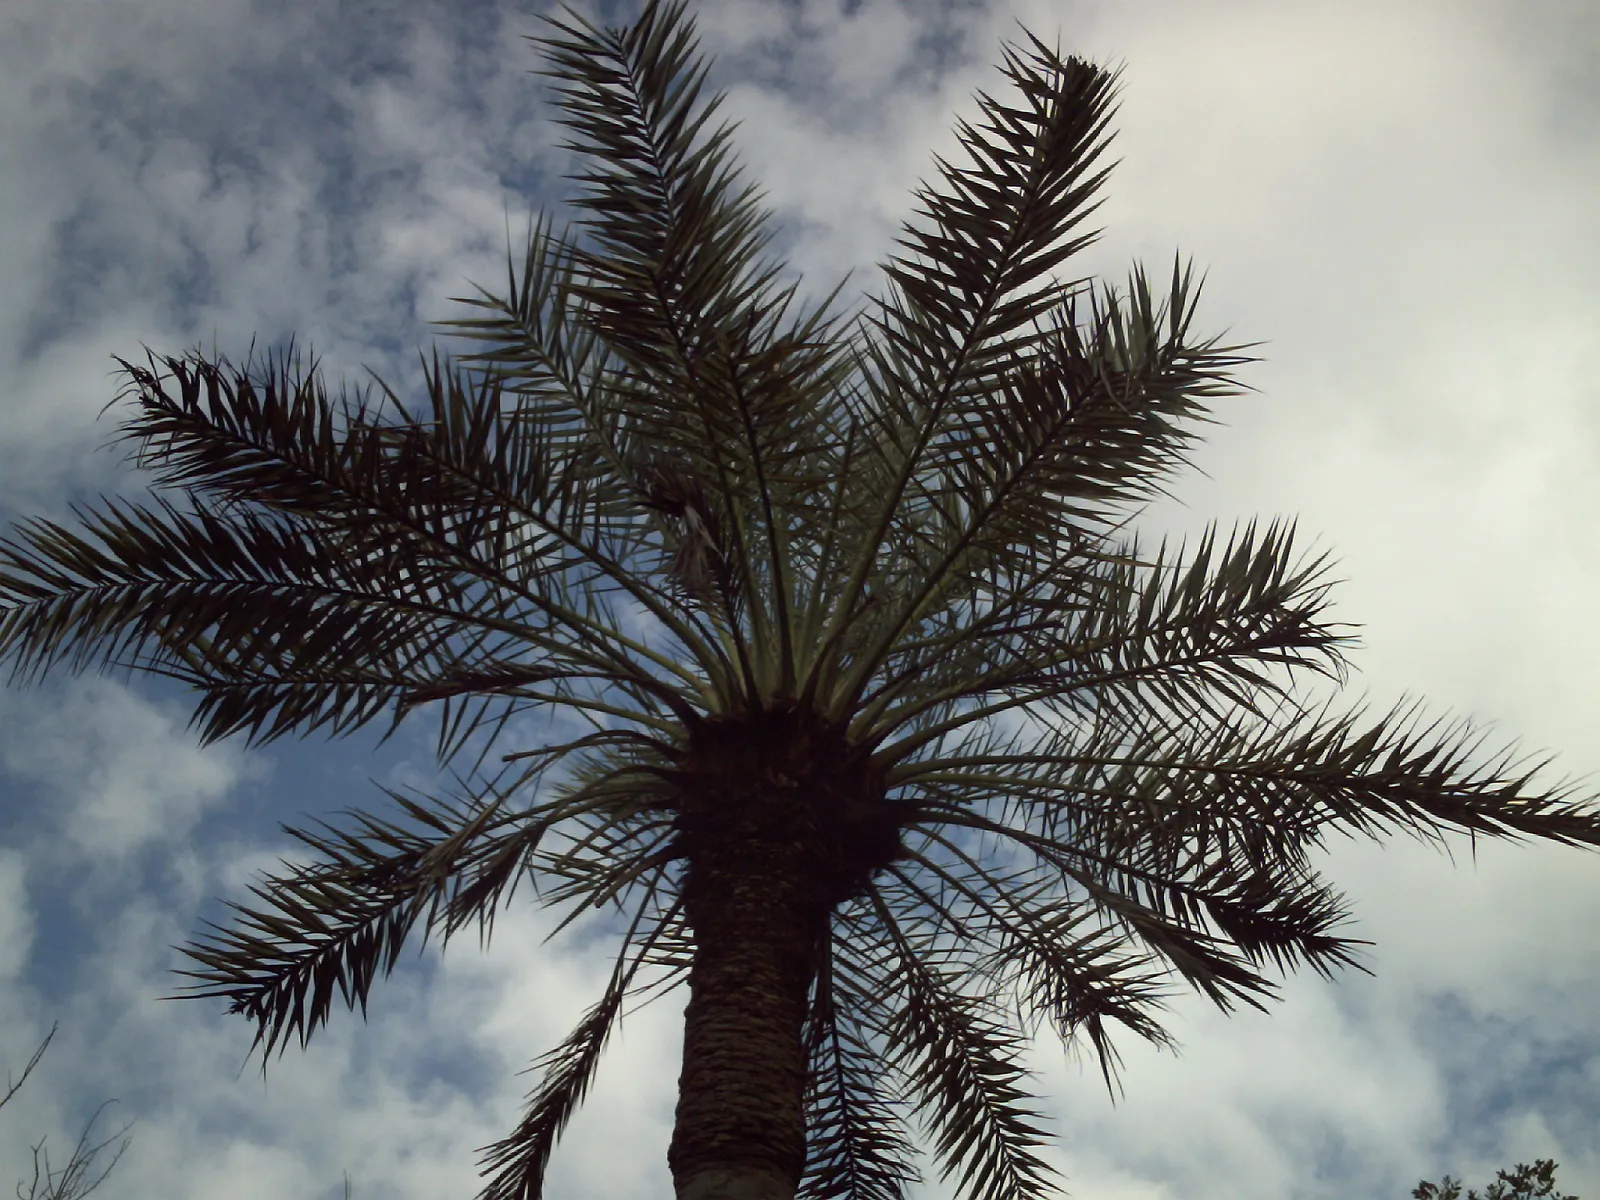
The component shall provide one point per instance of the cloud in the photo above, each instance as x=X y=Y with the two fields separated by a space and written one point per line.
x=120 y=772
x=16 y=920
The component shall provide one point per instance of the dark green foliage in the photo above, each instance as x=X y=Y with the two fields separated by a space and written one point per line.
x=1525 y=1183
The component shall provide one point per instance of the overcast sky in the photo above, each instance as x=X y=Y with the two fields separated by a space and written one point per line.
x=1398 y=200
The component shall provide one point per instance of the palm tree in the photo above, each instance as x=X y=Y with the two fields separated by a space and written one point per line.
x=886 y=737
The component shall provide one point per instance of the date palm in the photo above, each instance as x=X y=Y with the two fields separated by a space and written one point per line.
x=886 y=738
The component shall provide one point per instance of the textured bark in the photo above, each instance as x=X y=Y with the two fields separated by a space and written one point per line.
x=780 y=820
x=740 y=1128
x=746 y=1183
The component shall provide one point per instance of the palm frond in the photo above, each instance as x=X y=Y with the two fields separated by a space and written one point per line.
x=679 y=293
x=1048 y=949
x=1061 y=443
x=234 y=579
x=951 y=323
x=518 y=1161
x=335 y=926
x=1192 y=838
x=476 y=498
x=1313 y=771
x=558 y=371
x=679 y=245
x=856 y=1145
x=1198 y=635
x=982 y=271
x=962 y=1065
x=272 y=619
x=542 y=347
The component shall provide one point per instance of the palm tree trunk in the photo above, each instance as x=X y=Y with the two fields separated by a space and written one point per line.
x=758 y=926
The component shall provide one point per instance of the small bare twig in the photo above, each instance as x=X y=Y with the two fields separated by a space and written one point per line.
x=13 y=1088
x=72 y=1182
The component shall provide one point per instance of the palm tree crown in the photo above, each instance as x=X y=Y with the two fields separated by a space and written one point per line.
x=894 y=742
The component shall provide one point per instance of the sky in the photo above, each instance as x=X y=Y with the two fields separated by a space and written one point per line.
x=1398 y=201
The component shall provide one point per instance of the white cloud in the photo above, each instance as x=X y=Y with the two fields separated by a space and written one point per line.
x=122 y=771
x=16 y=918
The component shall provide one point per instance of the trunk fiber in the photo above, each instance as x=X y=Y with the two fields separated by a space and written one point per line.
x=740 y=1127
